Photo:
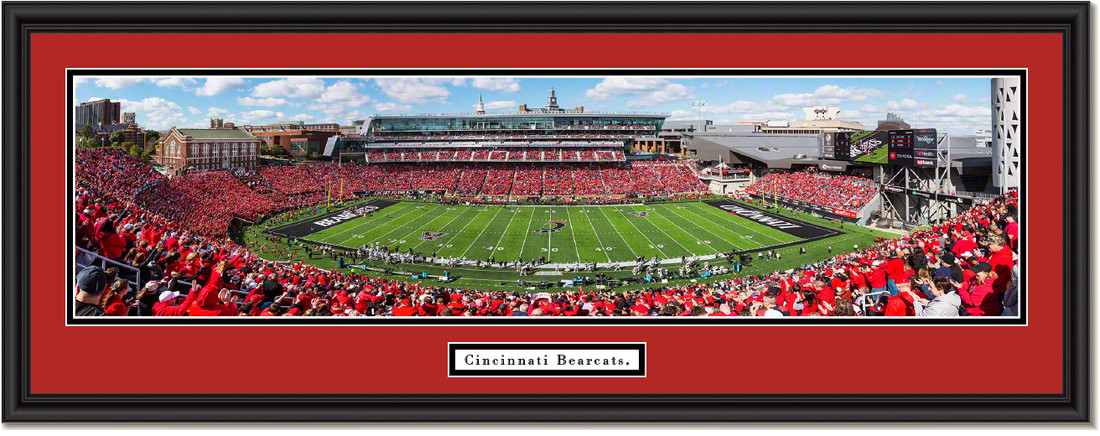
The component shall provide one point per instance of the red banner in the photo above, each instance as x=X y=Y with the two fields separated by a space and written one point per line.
x=846 y=213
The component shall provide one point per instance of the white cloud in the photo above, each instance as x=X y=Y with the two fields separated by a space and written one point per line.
x=338 y=100
x=218 y=85
x=652 y=91
x=412 y=90
x=156 y=113
x=827 y=95
x=615 y=86
x=302 y=117
x=499 y=104
x=254 y=116
x=766 y=116
x=502 y=84
x=905 y=104
x=291 y=87
x=671 y=92
x=345 y=93
x=194 y=110
x=179 y=82
x=960 y=98
x=116 y=82
x=953 y=118
x=263 y=102
x=216 y=112
x=388 y=106
x=77 y=81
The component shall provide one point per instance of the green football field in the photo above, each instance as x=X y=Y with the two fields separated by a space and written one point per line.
x=560 y=234
x=878 y=156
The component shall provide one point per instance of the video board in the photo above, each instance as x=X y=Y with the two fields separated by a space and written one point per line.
x=913 y=147
x=910 y=147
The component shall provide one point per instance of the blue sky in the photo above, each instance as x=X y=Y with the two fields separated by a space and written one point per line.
x=952 y=104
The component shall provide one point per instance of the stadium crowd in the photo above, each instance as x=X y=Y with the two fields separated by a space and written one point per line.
x=844 y=192
x=966 y=266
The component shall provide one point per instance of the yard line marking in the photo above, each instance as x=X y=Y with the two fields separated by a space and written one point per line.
x=602 y=247
x=548 y=235
x=573 y=234
x=524 y=244
x=409 y=211
x=734 y=222
x=685 y=231
x=357 y=226
x=442 y=227
x=635 y=253
x=655 y=247
x=674 y=241
x=505 y=232
x=402 y=225
x=474 y=240
x=737 y=247
x=463 y=227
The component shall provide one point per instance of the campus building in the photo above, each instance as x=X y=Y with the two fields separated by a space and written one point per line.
x=185 y=150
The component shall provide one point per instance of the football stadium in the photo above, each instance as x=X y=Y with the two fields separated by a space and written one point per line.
x=546 y=211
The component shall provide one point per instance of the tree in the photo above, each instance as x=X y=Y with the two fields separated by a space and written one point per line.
x=117 y=138
x=150 y=151
x=151 y=136
x=134 y=149
x=86 y=131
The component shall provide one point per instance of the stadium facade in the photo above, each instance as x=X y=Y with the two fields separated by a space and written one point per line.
x=544 y=134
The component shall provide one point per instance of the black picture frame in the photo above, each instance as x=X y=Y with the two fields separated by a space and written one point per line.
x=21 y=20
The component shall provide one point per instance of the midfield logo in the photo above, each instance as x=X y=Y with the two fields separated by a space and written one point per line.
x=429 y=236
x=553 y=227
x=639 y=213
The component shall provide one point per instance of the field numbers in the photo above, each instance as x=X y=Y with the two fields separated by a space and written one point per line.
x=493 y=248
x=604 y=248
x=702 y=242
x=657 y=246
x=552 y=250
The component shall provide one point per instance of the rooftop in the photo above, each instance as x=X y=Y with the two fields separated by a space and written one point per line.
x=526 y=114
x=215 y=133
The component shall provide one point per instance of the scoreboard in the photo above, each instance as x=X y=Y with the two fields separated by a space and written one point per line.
x=910 y=147
x=913 y=147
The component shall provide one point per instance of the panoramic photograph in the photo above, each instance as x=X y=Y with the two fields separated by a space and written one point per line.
x=546 y=196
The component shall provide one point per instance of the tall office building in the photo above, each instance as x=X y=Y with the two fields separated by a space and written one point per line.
x=97 y=113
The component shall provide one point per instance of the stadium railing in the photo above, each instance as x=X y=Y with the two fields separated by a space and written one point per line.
x=102 y=262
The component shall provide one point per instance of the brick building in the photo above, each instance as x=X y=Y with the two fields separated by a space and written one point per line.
x=206 y=149
x=99 y=112
x=297 y=143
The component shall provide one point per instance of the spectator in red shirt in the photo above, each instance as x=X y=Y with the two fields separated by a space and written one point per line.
x=977 y=294
x=1000 y=260
x=405 y=308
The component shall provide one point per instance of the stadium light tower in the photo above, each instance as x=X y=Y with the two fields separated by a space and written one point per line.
x=698 y=105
